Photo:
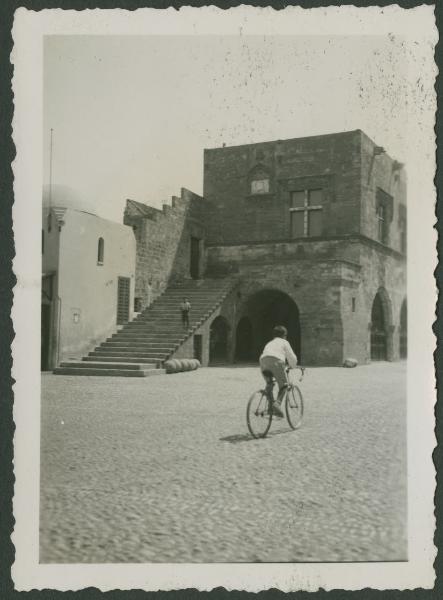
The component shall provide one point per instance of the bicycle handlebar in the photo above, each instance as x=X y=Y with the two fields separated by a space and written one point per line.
x=299 y=368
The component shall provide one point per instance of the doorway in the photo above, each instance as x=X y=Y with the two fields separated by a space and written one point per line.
x=198 y=347
x=218 y=341
x=45 y=333
x=195 y=257
x=404 y=330
x=123 y=300
x=379 y=342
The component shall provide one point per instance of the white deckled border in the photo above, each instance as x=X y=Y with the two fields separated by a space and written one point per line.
x=29 y=29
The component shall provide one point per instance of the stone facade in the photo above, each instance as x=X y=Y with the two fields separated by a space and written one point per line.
x=314 y=231
x=164 y=239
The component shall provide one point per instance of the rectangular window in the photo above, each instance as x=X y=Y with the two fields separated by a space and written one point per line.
x=43 y=241
x=260 y=186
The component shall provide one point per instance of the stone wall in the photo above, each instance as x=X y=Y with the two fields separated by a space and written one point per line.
x=164 y=242
x=349 y=167
x=332 y=282
x=331 y=162
x=381 y=172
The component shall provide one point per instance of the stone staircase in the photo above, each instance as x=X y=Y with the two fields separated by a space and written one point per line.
x=141 y=347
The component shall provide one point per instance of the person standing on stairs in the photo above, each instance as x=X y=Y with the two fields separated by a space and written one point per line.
x=185 y=308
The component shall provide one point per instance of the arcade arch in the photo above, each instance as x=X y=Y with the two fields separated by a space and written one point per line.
x=403 y=330
x=381 y=329
x=261 y=313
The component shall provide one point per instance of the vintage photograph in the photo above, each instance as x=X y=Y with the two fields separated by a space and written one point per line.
x=225 y=273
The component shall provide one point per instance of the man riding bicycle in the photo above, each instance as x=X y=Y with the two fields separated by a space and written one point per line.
x=273 y=361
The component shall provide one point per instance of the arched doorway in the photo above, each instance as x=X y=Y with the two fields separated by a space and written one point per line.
x=218 y=341
x=403 y=330
x=269 y=308
x=380 y=343
x=244 y=348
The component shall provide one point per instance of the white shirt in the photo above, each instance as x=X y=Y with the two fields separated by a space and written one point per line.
x=281 y=349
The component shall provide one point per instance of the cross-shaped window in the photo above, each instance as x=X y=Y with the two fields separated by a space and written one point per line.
x=306 y=213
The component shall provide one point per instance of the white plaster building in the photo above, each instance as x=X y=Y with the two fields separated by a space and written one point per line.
x=88 y=274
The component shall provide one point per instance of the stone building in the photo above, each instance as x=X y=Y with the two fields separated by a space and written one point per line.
x=308 y=232
x=313 y=232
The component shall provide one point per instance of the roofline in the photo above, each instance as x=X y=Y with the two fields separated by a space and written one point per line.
x=306 y=137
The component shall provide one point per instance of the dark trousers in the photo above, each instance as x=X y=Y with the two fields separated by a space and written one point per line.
x=185 y=318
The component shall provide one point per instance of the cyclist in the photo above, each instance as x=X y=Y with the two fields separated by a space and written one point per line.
x=273 y=360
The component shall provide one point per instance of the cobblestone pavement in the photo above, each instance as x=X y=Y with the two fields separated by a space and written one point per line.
x=162 y=469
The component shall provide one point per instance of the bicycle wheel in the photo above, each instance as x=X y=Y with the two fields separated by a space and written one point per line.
x=258 y=414
x=294 y=407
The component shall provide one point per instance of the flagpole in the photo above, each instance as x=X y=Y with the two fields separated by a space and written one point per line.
x=50 y=170
x=50 y=184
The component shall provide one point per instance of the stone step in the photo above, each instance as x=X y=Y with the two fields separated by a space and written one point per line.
x=175 y=316
x=130 y=345
x=164 y=314
x=173 y=330
x=158 y=357
x=174 y=307
x=127 y=357
x=139 y=343
x=94 y=357
x=162 y=339
x=122 y=372
x=133 y=366
x=178 y=295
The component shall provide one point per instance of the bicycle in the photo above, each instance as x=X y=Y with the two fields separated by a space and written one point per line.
x=259 y=411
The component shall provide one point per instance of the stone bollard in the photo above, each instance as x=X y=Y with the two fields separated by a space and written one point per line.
x=350 y=363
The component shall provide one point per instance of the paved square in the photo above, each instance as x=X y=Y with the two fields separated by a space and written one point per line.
x=162 y=469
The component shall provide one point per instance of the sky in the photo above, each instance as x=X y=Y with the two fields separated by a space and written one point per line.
x=131 y=115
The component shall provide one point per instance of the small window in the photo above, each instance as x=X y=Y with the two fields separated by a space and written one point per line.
x=101 y=251
x=260 y=186
x=353 y=304
x=43 y=241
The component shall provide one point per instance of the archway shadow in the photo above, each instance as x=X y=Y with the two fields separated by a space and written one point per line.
x=247 y=437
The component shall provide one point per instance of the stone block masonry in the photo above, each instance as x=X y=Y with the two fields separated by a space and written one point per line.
x=163 y=240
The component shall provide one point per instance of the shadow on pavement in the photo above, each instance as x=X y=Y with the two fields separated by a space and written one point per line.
x=245 y=437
